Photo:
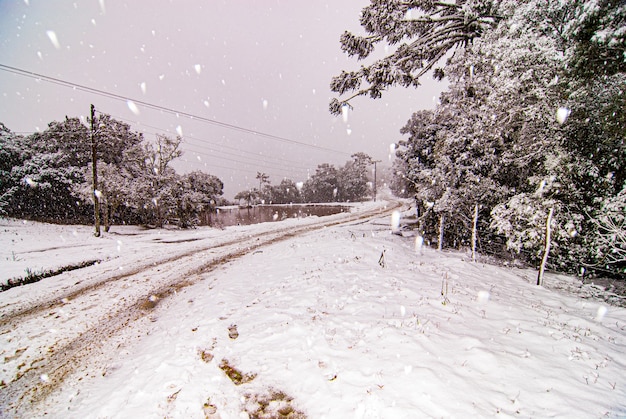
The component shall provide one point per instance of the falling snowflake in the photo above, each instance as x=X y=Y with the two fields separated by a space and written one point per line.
x=395 y=220
x=53 y=38
x=344 y=112
x=562 y=114
x=133 y=108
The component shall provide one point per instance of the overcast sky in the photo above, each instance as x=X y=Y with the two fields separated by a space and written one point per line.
x=262 y=65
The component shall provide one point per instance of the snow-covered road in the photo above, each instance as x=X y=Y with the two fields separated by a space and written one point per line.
x=51 y=327
x=273 y=320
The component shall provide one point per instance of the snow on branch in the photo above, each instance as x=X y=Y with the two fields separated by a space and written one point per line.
x=436 y=29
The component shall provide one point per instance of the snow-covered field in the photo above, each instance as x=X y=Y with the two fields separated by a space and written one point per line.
x=348 y=321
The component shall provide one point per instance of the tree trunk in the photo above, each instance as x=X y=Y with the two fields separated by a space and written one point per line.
x=112 y=209
x=157 y=213
x=474 y=232
x=546 y=251
x=442 y=220
x=417 y=214
x=105 y=216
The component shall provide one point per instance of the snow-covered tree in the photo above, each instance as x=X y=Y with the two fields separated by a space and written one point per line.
x=599 y=37
x=114 y=188
x=44 y=189
x=115 y=143
x=114 y=139
x=453 y=158
x=421 y=33
x=346 y=183
x=522 y=219
x=286 y=192
x=154 y=179
x=610 y=239
x=69 y=137
x=354 y=177
x=12 y=155
x=249 y=195
x=398 y=183
x=323 y=186
x=422 y=173
x=195 y=193
x=49 y=165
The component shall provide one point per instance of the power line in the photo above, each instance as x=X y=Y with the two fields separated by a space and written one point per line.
x=247 y=171
x=257 y=162
x=198 y=149
x=219 y=147
x=281 y=172
x=75 y=86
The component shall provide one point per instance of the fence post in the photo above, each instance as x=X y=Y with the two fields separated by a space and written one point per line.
x=546 y=251
x=442 y=220
x=474 y=232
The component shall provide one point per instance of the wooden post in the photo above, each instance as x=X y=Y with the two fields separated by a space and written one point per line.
x=94 y=165
x=546 y=251
x=442 y=220
x=375 y=161
x=474 y=232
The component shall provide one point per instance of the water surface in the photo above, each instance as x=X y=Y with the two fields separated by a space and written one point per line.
x=229 y=216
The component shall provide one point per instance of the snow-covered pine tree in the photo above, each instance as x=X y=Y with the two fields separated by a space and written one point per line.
x=422 y=32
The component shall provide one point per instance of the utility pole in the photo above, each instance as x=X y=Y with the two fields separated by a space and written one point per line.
x=94 y=165
x=375 y=161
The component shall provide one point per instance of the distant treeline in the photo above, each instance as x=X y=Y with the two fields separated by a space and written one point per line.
x=349 y=183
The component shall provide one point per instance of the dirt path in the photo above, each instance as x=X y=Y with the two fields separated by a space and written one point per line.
x=74 y=323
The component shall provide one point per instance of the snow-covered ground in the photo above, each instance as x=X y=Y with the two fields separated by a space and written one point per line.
x=348 y=321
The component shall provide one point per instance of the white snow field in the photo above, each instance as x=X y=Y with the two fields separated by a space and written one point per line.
x=318 y=325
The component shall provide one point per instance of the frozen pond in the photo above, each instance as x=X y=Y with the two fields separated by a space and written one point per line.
x=228 y=216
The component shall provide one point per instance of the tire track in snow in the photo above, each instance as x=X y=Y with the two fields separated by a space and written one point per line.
x=41 y=370
x=32 y=309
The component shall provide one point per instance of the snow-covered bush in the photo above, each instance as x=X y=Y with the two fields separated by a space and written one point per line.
x=610 y=240
x=522 y=220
